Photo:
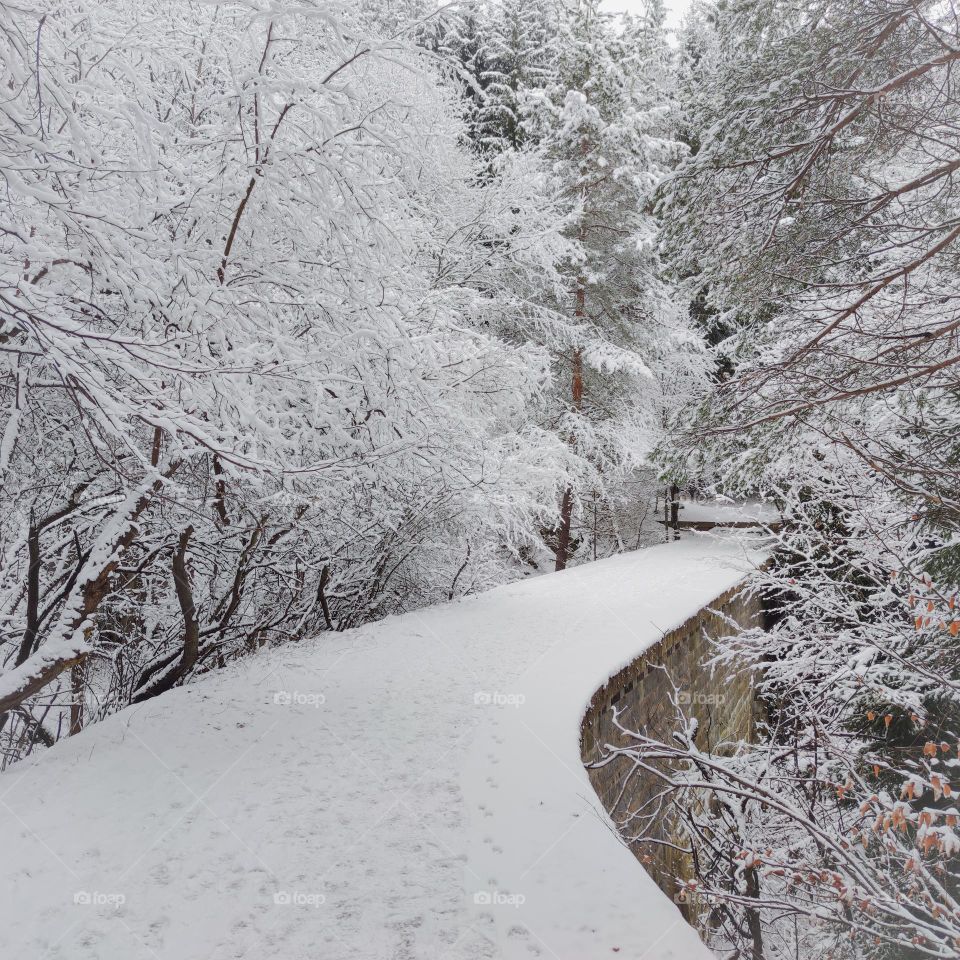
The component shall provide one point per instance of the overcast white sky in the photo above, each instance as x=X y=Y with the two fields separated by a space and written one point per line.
x=676 y=8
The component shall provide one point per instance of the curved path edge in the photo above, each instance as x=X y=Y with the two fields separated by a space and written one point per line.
x=550 y=870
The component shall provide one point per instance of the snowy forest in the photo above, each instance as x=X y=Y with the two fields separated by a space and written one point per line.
x=318 y=312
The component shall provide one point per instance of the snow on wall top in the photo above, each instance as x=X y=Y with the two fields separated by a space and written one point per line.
x=729 y=511
x=412 y=789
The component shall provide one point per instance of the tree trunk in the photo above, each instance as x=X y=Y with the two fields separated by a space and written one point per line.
x=76 y=704
x=33 y=592
x=322 y=595
x=181 y=581
x=220 y=500
x=753 y=916
x=164 y=676
x=563 y=534
x=675 y=510
x=566 y=505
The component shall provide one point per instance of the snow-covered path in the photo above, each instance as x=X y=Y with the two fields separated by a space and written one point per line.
x=411 y=789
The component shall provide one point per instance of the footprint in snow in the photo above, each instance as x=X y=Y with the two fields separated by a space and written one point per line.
x=521 y=933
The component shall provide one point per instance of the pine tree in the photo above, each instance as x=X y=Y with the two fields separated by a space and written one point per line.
x=605 y=121
x=517 y=61
x=586 y=102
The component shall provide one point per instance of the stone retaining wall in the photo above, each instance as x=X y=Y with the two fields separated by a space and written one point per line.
x=723 y=705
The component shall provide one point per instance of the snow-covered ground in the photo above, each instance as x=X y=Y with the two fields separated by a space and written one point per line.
x=729 y=511
x=411 y=789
